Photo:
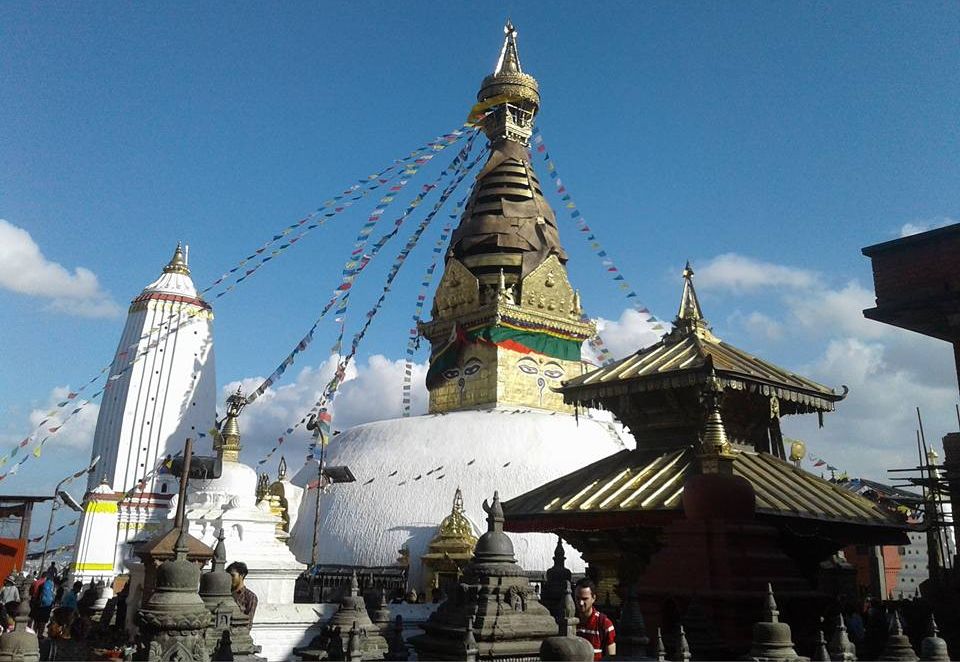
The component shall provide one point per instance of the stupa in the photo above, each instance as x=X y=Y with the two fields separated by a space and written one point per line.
x=229 y=504
x=506 y=328
x=161 y=389
x=495 y=607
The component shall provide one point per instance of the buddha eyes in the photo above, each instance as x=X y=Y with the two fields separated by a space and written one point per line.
x=473 y=367
x=553 y=373
x=529 y=368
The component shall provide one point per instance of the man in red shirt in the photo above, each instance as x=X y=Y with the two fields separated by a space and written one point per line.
x=594 y=626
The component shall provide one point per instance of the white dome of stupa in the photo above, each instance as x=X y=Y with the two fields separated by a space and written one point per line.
x=408 y=469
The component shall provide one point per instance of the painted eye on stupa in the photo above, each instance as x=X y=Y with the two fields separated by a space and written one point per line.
x=472 y=367
x=553 y=371
x=451 y=373
x=528 y=366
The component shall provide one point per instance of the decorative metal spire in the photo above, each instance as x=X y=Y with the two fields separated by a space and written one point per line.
x=714 y=441
x=689 y=304
x=690 y=317
x=178 y=263
x=509 y=61
x=229 y=446
x=510 y=97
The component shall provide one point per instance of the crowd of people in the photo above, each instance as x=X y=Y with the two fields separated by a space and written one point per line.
x=61 y=612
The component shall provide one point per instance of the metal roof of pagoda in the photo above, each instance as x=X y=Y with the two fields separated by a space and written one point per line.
x=687 y=355
x=637 y=481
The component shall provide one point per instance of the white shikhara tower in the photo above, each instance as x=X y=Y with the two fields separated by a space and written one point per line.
x=161 y=390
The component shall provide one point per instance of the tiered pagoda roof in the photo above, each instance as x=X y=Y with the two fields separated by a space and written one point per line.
x=689 y=355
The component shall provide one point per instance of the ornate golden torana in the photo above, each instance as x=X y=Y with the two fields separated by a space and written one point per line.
x=451 y=547
x=504 y=306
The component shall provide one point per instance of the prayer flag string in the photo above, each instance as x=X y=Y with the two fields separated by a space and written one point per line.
x=414 y=337
x=352 y=268
x=337 y=204
x=350 y=274
x=324 y=417
x=410 y=166
x=590 y=235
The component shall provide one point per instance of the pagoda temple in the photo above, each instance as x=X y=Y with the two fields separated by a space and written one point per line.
x=706 y=504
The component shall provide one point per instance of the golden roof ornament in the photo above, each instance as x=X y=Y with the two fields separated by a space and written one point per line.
x=514 y=95
x=178 y=263
x=716 y=454
x=229 y=443
x=690 y=318
x=456 y=524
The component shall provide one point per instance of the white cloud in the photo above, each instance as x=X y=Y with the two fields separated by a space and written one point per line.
x=758 y=325
x=874 y=428
x=890 y=372
x=64 y=453
x=628 y=334
x=77 y=432
x=828 y=311
x=370 y=392
x=25 y=270
x=739 y=274
x=916 y=227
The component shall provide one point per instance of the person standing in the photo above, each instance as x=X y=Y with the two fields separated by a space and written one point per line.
x=594 y=626
x=9 y=592
x=46 y=593
x=246 y=598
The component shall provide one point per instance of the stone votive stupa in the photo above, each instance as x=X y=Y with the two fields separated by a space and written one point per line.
x=508 y=620
x=772 y=640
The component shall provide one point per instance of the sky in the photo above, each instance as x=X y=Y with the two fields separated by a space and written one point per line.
x=767 y=143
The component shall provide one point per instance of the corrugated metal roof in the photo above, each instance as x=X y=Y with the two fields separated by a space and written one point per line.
x=632 y=481
x=673 y=356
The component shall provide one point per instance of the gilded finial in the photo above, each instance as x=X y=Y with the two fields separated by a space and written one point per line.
x=507 y=89
x=690 y=316
x=714 y=444
x=689 y=304
x=456 y=525
x=509 y=60
x=229 y=443
x=178 y=263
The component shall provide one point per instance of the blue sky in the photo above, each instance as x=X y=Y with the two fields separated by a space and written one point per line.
x=766 y=142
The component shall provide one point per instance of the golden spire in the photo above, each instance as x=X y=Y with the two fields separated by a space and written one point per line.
x=690 y=316
x=509 y=62
x=178 y=263
x=689 y=304
x=715 y=450
x=514 y=95
x=229 y=444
